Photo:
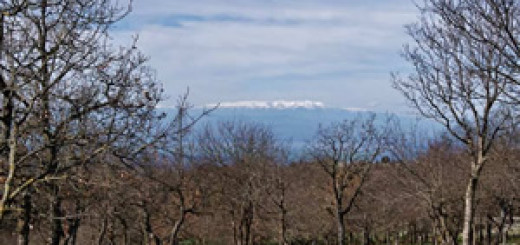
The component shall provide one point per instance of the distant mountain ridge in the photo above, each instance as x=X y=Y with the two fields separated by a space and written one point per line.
x=297 y=125
x=293 y=121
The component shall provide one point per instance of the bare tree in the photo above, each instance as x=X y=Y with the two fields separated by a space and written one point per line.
x=176 y=170
x=244 y=153
x=68 y=96
x=346 y=152
x=500 y=185
x=277 y=193
x=460 y=79
x=433 y=178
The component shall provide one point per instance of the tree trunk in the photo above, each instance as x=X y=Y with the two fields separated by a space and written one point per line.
x=434 y=235
x=176 y=228
x=12 y=144
x=235 y=230
x=56 y=227
x=148 y=228
x=126 y=237
x=73 y=224
x=24 y=222
x=73 y=227
x=283 y=221
x=489 y=235
x=481 y=232
x=366 y=236
x=103 y=231
x=467 y=232
x=413 y=234
x=341 y=227
x=246 y=225
x=249 y=225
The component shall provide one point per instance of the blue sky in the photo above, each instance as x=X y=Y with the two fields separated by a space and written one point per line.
x=338 y=52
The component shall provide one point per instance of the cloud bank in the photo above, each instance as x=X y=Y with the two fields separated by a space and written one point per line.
x=338 y=52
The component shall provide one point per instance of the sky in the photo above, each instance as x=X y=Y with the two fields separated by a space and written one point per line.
x=338 y=52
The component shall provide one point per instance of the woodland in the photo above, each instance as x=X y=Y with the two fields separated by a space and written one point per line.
x=87 y=157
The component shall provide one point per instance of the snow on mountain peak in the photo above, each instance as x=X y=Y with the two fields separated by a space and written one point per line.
x=278 y=104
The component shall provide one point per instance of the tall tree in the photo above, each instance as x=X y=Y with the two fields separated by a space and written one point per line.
x=462 y=78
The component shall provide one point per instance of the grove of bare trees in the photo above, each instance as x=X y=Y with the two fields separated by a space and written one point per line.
x=88 y=158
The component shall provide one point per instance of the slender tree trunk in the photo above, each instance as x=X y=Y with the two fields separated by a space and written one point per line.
x=469 y=208
x=414 y=234
x=24 y=225
x=341 y=227
x=489 y=235
x=9 y=129
x=148 y=228
x=126 y=237
x=283 y=220
x=176 y=228
x=235 y=231
x=467 y=232
x=434 y=235
x=12 y=145
x=73 y=225
x=103 y=231
x=180 y=159
x=241 y=229
x=248 y=224
x=474 y=231
x=366 y=236
x=481 y=231
x=56 y=215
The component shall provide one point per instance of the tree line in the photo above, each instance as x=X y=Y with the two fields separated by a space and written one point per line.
x=86 y=157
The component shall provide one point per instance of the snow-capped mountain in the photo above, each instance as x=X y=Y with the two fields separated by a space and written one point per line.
x=277 y=104
x=296 y=121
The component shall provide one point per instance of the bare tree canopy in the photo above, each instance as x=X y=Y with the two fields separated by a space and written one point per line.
x=68 y=96
x=464 y=56
x=346 y=152
x=87 y=158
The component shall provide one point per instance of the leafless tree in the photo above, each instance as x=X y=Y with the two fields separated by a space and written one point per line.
x=67 y=95
x=277 y=193
x=461 y=78
x=346 y=152
x=500 y=185
x=176 y=169
x=244 y=154
x=433 y=179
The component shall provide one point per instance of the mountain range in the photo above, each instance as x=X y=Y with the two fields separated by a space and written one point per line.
x=293 y=121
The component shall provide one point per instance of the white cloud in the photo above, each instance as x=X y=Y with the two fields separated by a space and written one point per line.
x=335 y=51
